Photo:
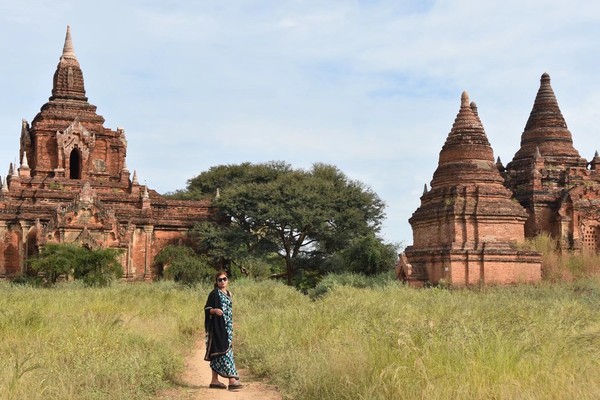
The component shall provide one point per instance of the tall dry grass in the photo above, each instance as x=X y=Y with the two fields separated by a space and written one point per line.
x=558 y=266
x=394 y=342
x=375 y=342
x=70 y=342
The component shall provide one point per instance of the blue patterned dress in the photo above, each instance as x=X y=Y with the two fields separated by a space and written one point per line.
x=224 y=365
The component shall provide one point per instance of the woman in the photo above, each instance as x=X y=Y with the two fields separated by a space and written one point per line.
x=218 y=324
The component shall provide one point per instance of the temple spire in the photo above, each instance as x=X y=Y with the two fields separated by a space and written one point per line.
x=68 y=78
x=466 y=155
x=546 y=127
x=68 y=51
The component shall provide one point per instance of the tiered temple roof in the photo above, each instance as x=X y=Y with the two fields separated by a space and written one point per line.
x=73 y=185
x=467 y=226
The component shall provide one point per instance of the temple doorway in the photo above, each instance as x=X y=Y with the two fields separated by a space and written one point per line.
x=75 y=164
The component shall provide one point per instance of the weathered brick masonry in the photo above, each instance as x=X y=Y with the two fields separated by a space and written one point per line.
x=470 y=223
x=73 y=185
x=467 y=227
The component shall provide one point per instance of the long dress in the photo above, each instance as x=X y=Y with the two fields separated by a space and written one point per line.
x=224 y=364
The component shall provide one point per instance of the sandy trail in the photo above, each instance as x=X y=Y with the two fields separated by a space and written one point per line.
x=197 y=375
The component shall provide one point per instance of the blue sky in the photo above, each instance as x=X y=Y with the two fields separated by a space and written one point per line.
x=372 y=87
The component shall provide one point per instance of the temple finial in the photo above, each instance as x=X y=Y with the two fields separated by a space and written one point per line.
x=464 y=99
x=424 y=189
x=68 y=51
x=537 y=152
x=596 y=153
x=24 y=160
x=474 y=108
x=134 y=180
x=545 y=77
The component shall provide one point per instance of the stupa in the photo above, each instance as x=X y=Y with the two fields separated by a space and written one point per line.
x=467 y=229
x=546 y=161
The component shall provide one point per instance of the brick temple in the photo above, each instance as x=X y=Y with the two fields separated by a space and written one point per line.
x=73 y=185
x=467 y=227
x=559 y=189
x=470 y=223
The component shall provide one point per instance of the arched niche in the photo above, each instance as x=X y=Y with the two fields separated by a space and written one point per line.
x=75 y=164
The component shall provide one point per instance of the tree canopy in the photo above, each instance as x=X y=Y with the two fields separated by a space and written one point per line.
x=303 y=216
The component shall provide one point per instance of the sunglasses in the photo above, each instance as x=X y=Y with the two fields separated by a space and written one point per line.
x=224 y=279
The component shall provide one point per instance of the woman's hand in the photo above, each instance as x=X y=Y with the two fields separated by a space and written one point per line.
x=217 y=311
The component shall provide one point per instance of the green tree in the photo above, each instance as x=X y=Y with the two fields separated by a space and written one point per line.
x=56 y=260
x=95 y=267
x=303 y=216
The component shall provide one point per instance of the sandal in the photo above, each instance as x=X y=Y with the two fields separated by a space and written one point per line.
x=217 y=386
x=235 y=386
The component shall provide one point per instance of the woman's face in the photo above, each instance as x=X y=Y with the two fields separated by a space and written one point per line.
x=222 y=281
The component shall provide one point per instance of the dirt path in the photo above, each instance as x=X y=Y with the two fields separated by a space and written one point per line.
x=197 y=375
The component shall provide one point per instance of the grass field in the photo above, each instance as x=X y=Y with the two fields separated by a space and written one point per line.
x=70 y=342
x=387 y=342
x=393 y=342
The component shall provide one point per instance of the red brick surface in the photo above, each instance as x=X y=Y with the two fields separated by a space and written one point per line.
x=101 y=206
x=467 y=229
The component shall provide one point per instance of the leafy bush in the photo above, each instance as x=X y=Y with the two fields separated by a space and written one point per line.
x=181 y=264
x=367 y=254
x=96 y=267
x=56 y=260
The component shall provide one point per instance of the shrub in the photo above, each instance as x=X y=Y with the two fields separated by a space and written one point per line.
x=367 y=254
x=182 y=265
x=55 y=260
x=96 y=267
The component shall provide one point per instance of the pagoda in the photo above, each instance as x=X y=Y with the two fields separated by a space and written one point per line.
x=559 y=189
x=72 y=185
x=467 y=229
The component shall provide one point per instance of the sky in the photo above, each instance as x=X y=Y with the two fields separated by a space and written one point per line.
x=371 y=86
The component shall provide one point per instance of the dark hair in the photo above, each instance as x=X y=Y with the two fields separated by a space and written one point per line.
x=218 y=274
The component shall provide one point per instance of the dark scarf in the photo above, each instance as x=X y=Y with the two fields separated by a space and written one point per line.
x=214 y=325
